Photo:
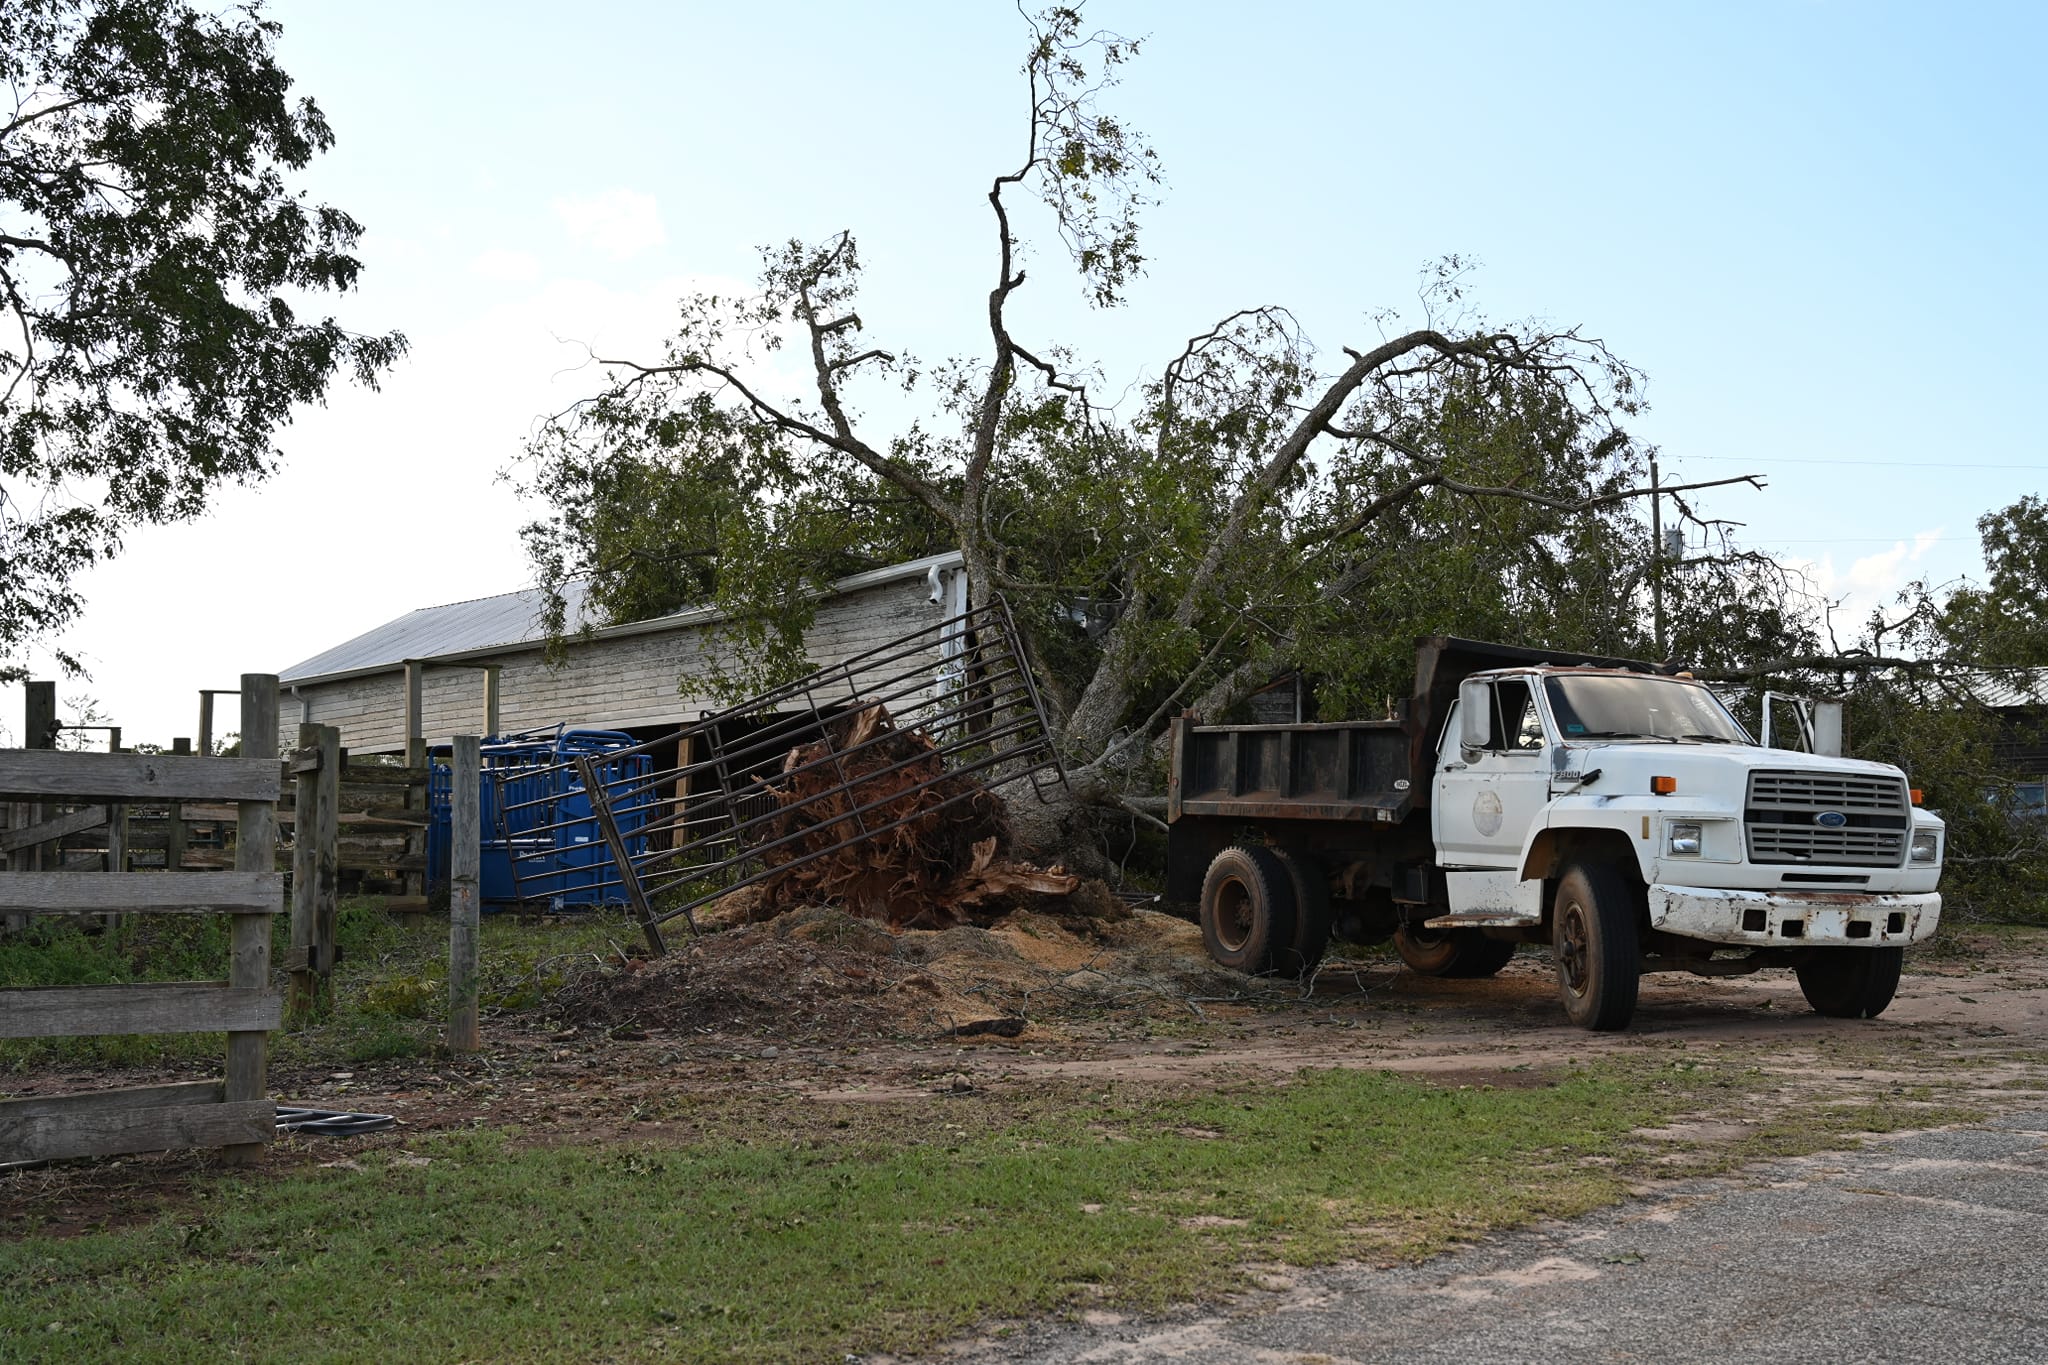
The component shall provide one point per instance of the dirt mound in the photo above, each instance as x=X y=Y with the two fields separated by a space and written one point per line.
x=821 y=974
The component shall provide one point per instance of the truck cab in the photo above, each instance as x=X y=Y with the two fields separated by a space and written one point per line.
x=1614 y=810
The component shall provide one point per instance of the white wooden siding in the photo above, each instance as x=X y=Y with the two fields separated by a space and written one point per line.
x=614 y=683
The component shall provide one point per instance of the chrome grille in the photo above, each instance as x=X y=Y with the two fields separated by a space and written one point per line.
x=1845 y=792
x=1779 y=821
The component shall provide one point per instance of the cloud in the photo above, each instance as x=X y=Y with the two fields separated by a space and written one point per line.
x=620 y=223
x=1870 y=582
x=507 y=267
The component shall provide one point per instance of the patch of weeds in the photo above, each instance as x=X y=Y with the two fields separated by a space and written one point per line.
x=384 y=1040
x=404 y=996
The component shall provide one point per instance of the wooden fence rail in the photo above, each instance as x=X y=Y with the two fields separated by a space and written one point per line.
x=379 y=830
x=235 y=1112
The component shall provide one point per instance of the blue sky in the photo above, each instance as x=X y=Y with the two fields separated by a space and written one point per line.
x=1815 y=226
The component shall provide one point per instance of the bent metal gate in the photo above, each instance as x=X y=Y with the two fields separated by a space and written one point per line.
x=716 y=808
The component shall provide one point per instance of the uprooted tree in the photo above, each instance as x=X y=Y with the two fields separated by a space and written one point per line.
x=153 y=258
x=1260 y=510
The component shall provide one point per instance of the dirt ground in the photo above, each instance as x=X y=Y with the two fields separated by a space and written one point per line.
x=819 y=1006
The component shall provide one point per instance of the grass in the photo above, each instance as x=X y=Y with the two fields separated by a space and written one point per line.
x=390 y=989
x=796 y=1233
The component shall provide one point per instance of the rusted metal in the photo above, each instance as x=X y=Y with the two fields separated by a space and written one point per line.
x=963 y=684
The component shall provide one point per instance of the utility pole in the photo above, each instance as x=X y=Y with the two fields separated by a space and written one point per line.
x=1657 y=557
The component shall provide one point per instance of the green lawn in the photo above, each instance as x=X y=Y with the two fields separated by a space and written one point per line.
x=802 y=1233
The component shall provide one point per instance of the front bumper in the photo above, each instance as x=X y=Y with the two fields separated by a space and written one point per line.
x=1795 y=919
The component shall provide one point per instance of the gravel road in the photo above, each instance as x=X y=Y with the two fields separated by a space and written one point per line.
x=1928 y=1247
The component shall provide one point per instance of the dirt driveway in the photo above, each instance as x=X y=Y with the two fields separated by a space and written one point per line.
x=1054 y=1007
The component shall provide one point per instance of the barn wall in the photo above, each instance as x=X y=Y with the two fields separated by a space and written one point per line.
x=605 y=684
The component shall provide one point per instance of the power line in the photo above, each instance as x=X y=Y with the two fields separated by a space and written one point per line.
x=1931 y=466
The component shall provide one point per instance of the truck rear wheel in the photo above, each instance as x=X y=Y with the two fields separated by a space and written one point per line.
x=1311 y=884
x=1851 y=983
x=1593 y=936
x=1247 y=909
x=1451 y=952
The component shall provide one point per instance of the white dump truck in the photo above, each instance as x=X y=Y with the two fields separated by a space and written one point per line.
x=1612 y=809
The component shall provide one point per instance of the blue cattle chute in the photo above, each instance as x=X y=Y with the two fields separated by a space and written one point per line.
x=535 y=809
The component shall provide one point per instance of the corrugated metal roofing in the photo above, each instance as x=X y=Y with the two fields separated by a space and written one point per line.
x=2019 y=687
x=509 y=619
x=513 y=618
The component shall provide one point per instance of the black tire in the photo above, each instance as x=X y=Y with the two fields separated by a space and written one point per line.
x=1312 y=921
x=1482 y=956
x=1851 y=983
x=1451 y=952
x=1247 y=909
x=1594 y=938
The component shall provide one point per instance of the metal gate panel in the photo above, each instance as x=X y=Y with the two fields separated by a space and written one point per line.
x=704 y=825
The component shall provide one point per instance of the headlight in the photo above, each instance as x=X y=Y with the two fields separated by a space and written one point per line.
x=1682 y=839
x=1926 y=845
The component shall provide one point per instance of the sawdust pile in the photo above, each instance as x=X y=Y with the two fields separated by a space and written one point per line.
x=821 y=974
x=939 y=851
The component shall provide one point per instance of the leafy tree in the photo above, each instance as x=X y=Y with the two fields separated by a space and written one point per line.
x=2004 y=622
x=153 y=264
x=1257 y=508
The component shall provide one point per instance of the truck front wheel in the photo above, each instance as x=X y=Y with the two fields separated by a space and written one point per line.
x=1593 y=936
x=1247 y=909
x=1851 y=983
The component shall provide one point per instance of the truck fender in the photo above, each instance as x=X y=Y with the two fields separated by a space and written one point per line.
x=1550 y=847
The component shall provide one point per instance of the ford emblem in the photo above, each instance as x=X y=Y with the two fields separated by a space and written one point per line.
x=1831 y=819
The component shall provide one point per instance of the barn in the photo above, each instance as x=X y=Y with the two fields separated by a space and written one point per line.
x=479 y=667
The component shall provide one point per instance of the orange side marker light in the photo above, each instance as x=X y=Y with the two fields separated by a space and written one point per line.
x=1663 y=786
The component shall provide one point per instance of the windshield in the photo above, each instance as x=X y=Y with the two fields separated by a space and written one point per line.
x=1624 y=706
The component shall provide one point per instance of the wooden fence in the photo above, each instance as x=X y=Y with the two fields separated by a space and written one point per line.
x=234 y=1112
x=380 y=817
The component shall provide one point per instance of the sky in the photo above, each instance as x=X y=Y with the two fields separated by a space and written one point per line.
x=1815 y=226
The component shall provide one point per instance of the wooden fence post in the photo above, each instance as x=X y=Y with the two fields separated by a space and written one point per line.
x=38 y=731
x=303 y=959
x=494 y=675
x=327 y=859
x=40 y=728
x=174 y=827
x=415 y=719
x=248 y=1074
x=465 y=860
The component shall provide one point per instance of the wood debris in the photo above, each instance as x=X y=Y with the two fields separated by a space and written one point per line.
x=871 y=820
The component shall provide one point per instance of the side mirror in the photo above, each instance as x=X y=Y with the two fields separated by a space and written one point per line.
x=1475 y=714
x=1827 y=728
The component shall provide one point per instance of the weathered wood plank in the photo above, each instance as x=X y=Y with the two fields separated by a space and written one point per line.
x=51 y=1137
x=248 y=1073
x=157 y=1007
x=112 y=1101
x=63 y=827
x=48 y=774
x=396 y=817
x=465 y=836
x=193 y=892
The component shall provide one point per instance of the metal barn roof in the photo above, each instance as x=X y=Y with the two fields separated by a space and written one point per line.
x=508 y=619
x=485 y=625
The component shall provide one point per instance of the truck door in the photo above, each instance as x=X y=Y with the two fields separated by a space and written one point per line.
x=1483 y=809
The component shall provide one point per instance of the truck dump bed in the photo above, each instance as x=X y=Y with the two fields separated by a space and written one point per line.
x=1375 y=771
x=1352 y=770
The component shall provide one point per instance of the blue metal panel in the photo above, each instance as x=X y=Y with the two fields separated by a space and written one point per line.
x=534 y=803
